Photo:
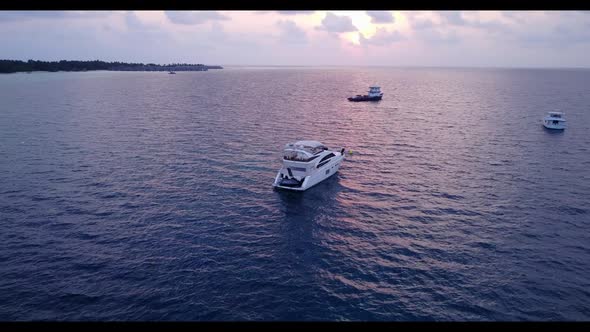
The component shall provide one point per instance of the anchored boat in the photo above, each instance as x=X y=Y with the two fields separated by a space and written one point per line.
x=554 y=120
x=374 y=95
x=307 y=163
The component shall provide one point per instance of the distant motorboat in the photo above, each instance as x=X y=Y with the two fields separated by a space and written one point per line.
x=171 y=72
x=305 y=164
x=374 y=94
x=554 y=120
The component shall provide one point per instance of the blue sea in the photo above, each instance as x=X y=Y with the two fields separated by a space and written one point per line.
x=148 y=196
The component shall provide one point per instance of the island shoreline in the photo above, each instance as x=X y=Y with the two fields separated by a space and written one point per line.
x=18 y=66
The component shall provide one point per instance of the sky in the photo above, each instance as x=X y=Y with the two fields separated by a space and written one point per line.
x=302 y=38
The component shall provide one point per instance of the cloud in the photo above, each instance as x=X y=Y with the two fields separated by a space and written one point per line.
x=26 y=15
x=335 y=23
x=217 y=33
x=132 y=21
x=295 y=12
x=452 y=17
x=517 y=38
x=380 y=17
x=561 y=36
x=569 y=35
x=434 y=36
x=487 y=26
x=22 y=15
x=418 y=21
x=291 y=33
x=381 y=38
x=549 y=30
x=285 y=12
x=193 y=18
x=423 y=24
x=442 y=24
x=135 y=22
x=492 y=27
x=513 y=16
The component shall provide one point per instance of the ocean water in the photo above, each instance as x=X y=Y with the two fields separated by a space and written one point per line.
x=148 y=196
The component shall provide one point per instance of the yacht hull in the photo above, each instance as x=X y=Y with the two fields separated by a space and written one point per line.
x=309 y=181
x=554 y=127
x=550 y=125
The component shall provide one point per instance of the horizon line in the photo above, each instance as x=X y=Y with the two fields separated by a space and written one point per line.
x=337 y=66
x=410 y=66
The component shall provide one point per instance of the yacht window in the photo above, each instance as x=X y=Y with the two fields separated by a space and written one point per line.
x=299 y=169
x=327 y=157
x=318 y=149
x=290 y=155
x=325 y=160
x=296 y=158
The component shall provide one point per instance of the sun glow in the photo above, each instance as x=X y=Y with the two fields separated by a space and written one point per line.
x=362 y=21
x=353 y=37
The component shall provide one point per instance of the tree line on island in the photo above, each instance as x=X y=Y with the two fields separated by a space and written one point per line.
x=15 y=66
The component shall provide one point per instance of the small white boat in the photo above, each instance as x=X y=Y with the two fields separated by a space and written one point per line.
x=554 y=120
x=305 y=164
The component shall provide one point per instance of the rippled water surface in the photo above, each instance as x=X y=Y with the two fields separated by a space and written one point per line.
x=147 y=196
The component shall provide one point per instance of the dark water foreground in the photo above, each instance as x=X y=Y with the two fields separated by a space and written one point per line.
x=147 y=196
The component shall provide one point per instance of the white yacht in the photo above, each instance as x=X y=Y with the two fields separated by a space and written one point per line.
x=305 y=164
x=554 y=120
